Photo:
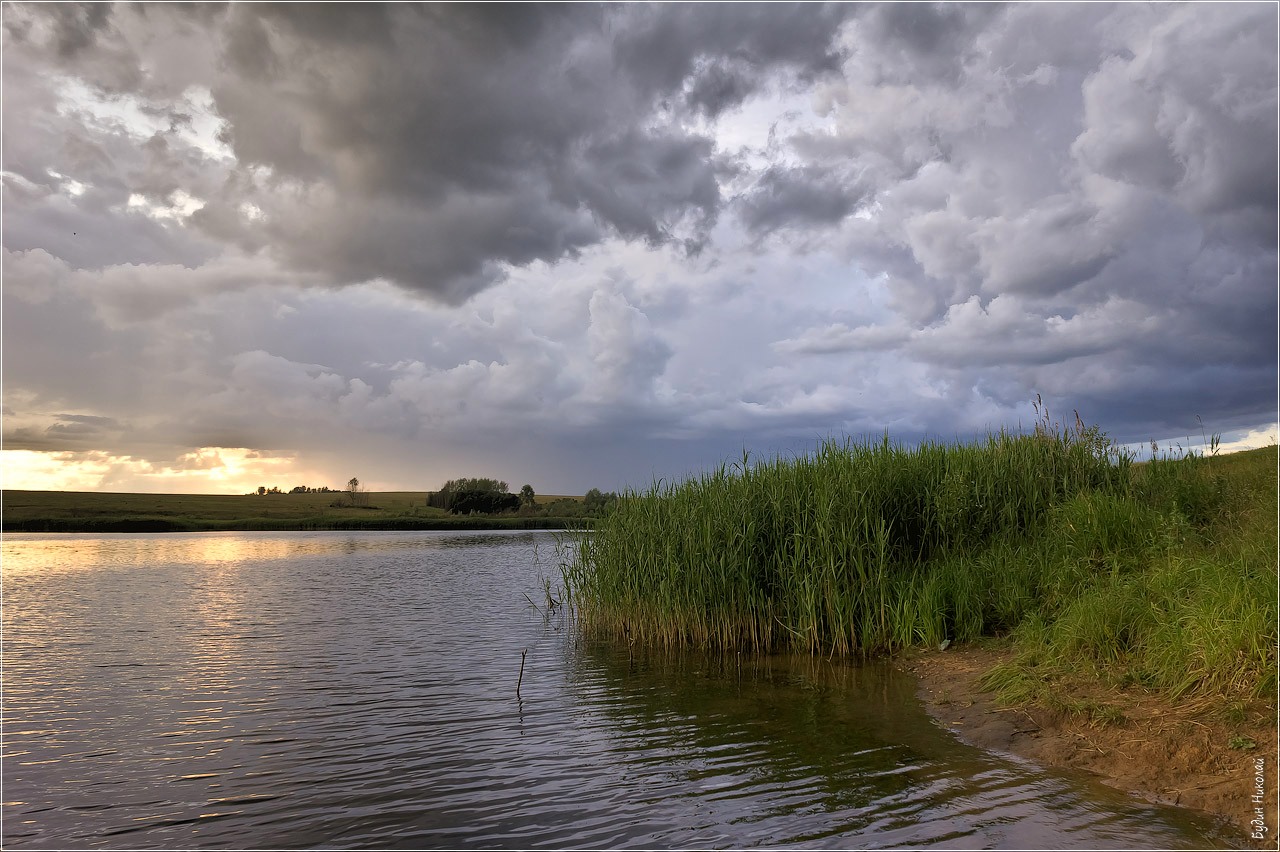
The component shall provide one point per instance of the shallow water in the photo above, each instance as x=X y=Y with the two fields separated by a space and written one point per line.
x=269 y=690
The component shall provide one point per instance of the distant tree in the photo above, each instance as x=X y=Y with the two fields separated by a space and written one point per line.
x=451 y=491
x=483 y=502
x=262 y=489
x=527 y=497
x=597 y=501
x=480 y=484
x=356 y=492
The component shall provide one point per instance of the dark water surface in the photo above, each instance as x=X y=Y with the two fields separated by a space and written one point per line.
x=267 y=690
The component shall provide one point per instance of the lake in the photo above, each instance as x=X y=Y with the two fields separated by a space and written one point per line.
x=356 y=690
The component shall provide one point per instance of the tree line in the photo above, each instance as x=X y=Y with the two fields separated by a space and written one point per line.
x=492 y=496
x=480 y=496
x=297 y=489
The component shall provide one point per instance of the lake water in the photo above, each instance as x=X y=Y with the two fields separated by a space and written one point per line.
x=284 y=690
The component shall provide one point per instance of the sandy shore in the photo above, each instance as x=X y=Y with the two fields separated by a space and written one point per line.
x=1172 y=754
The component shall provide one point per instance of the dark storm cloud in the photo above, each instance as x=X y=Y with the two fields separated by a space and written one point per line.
x=517 y=137
x=435 y=145
x=801 y=197
x=917 y=41
x=663 y=47
x=1074 y=200
x=81 y=38
x=625 y=180
x=1192 y=116
x=76 y=25
x=720 y=86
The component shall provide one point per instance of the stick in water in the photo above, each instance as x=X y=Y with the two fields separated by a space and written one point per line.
x=522 y=653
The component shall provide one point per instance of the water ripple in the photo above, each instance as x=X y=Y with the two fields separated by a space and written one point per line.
x=358 y=690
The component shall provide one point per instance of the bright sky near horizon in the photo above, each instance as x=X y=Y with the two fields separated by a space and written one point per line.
x=591 y=246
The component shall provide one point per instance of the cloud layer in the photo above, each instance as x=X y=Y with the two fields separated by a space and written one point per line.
x=591 y=245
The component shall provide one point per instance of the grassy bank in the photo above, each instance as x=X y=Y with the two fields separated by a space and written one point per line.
x=1189 y=611
x=1164 y=572
x=93 y=512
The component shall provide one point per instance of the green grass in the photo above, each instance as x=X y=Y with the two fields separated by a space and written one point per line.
x=79 y=511
x=1192 y=613
x=1162 y=573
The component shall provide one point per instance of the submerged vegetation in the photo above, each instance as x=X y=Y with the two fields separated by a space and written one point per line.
x=1161 y=572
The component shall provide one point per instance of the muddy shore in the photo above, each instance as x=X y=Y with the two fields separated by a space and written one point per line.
x=1176 y=754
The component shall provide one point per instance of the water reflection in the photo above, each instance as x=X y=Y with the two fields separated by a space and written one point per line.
x=37 y=553
x=849 y=747
x=358 y=690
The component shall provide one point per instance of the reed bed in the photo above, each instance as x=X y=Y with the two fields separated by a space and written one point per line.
x=1161 y=573
x=862 y=546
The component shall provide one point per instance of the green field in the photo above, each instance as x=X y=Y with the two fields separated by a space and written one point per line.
x=83 y=511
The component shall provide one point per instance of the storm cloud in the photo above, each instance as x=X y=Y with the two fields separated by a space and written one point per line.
x=627 y=240
x=436 y=146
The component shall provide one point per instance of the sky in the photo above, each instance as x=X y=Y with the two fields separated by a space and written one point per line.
x=585 y=246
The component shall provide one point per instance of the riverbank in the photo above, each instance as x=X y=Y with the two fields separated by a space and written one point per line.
x=1196 y=754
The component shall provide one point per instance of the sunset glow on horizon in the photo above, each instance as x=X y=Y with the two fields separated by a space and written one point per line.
x=208 y=470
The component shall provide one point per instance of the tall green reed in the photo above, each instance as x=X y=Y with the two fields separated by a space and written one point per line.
x=861 y=546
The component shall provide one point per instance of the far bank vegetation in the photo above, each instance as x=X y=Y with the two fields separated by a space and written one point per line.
x=461 y=504
x=492 y=497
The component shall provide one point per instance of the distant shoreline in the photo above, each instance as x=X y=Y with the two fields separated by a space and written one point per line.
x=160 y=525
x=98 y=512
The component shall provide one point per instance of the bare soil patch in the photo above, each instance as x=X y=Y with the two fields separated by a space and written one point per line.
x=1172 y=753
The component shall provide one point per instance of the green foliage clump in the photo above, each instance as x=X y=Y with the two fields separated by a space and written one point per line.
x=834 y=550
x=471 y=492
x=482 y=502
x=597 y=502
x=1185 y=487
x=489 y=496
x=1161 y=574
